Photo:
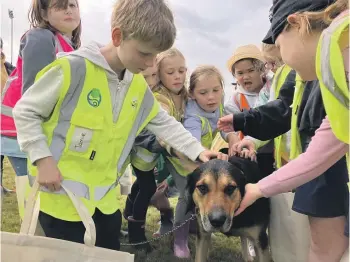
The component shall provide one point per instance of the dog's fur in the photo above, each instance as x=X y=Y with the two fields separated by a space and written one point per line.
x=215 y=190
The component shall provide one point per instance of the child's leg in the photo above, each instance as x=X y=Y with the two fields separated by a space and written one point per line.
x=129 y=204
x=328 y=242
x=21 y=180
x=181 y=249
x=136 y=222
x=147 y=187
x=107 y=229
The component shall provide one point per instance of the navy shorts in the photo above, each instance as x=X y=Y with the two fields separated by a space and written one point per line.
x=325 y=196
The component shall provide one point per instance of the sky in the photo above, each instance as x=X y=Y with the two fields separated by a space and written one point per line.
x=208 y=30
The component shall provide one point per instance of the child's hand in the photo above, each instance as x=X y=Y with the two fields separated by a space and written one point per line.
x=206 y=155
x=163 y=186
x=226 y=123
x=48 y=174
x=252 y=193
x=232 y=139
x=244 y=148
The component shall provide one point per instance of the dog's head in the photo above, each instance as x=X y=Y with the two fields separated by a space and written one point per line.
x=216 y=189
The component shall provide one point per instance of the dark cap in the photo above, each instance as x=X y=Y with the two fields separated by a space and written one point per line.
x=281 y=9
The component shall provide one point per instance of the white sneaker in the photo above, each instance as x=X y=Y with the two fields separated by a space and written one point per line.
x=251 y=249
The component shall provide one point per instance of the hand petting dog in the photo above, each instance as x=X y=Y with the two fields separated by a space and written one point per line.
x=252 y=193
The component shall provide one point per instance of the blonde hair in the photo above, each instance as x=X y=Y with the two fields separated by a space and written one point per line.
x=172 y=52
x=318 y=21
x=39 y=9
x=269 y=53
x=149 y=21
x=205 y=70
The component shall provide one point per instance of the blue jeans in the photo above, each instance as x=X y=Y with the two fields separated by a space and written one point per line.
x=19 y=165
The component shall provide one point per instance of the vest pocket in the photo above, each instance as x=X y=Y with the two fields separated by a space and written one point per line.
x=84 y=134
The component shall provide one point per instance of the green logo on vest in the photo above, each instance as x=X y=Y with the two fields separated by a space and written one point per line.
x=94 y=97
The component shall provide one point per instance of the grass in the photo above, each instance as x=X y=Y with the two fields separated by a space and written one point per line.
x=223 y=249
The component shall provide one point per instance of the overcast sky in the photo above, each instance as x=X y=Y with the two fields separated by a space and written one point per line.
x=208 y=30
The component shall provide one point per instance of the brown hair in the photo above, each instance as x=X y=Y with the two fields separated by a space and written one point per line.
x=40 y=7
x=172 y=52
x=320 y=20
x=149 y=21
x=205 y=70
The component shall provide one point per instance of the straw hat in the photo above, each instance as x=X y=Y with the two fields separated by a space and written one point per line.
x=246 y=51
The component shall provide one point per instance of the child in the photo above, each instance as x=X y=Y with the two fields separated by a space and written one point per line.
x=204 y=108
x=56 y=28
x=283 y=221
x=248 y=66
x=325 y=198
x=172 y=95
x=79 y=120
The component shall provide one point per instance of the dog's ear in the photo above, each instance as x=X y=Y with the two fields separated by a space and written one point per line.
x=249 y=168
x=190 y=187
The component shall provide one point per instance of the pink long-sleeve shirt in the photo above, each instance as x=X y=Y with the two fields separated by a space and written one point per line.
x=323 y=152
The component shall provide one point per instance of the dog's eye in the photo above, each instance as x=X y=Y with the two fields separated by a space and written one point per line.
x=203 y=189
x=229 y=190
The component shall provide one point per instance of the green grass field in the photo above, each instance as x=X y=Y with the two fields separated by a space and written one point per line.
x=223 y=249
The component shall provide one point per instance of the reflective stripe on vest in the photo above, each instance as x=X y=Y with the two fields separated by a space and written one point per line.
x=143 y=159
x=331 y=74
x=280 y=147
x=13 y=89
x=295 y=144
x=88 y=146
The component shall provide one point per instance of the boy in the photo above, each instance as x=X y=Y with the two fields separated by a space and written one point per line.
x=78 y=122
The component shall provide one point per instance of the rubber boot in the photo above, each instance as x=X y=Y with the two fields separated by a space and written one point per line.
x=136 y=229
x=181 y=249
x=129 y=205
x=166 y=222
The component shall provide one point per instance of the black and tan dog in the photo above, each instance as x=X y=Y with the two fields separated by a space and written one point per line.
x=215 y=190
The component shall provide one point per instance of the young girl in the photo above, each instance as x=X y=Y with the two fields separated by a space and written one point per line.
x=56 y=28
x=326 y=195
x=247 y=65
x=204 y=108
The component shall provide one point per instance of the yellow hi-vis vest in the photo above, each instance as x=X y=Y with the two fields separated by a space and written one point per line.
x=331 y=75
x=143 y=159
x=295 y=144
x=278 y=81
x=208 y=137
x=89 y=147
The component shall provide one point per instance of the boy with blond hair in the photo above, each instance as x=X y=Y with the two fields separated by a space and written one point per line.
x=78 y=121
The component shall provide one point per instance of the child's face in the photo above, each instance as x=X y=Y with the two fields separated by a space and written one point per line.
x=247 y=76
x=136 y=56
x=150 y=75
x=208 y=93
x=299 y=52
x=64 y=20
x=172 y=73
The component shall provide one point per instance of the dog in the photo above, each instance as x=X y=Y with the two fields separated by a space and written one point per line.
x=215 y=190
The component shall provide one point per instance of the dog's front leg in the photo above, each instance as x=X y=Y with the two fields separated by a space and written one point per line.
x=245 y=250
x=202 y=246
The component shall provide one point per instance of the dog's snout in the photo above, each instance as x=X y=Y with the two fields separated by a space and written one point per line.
x=217 y=218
